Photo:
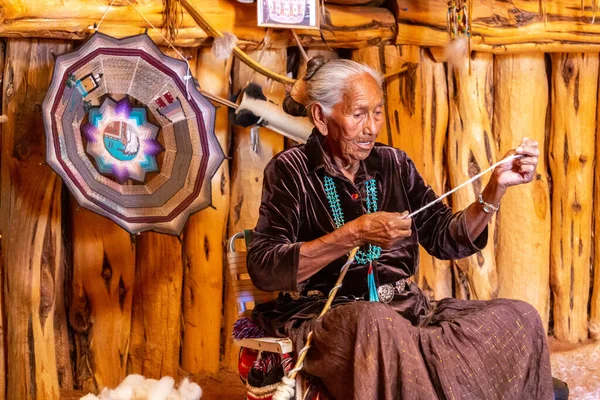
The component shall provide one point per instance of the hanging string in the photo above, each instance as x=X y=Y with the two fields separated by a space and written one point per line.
x=266 y=44
x=96 y=27
x=473 y=179
x=188 y=76
x=297 y=39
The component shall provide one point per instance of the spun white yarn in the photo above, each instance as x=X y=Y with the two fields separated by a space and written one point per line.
x=223 y=46
x=473 y=179
x=286 y=389
x=136 y=387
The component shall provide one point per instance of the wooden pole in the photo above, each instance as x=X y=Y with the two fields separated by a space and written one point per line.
x=523 y=221
x=417 y=102
x=502 y=27
x=3 y=372
x=434 y=274
x=572 y=144
x=156 y=312
x=594 y=328
x=373 y=57
x=342 y=27
x=30 y=223
x=102 y=289
x=204 y=238
x=471 y=150
x=247 y=174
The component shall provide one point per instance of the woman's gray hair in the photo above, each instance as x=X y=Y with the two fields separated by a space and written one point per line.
x=329 y=83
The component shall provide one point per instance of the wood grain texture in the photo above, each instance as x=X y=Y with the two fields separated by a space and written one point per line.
x=571 y=154
x=515 y=26
x=373 y=56
x=204 y=241
x=348 y=27
x=434 y=275
x=523 y=251
x=417 y=103
x=3 y=368
x=156 y=313
x=31 y=217
x=471 y=150
x=101 y=298
x=247 y=174
x=594 y=328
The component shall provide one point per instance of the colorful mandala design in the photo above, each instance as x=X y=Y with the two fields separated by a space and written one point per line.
x=99 y=143
x=121 y=140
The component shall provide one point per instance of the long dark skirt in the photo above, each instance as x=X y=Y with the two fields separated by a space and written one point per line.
x=470 y=350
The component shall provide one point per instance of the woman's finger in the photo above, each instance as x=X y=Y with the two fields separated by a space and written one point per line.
x=528 y=151
x=527 y=169
x=527 y=161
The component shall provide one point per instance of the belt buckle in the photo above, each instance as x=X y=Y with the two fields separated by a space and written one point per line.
x=387 y=291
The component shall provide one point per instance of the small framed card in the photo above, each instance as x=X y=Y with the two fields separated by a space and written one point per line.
x=298 y=14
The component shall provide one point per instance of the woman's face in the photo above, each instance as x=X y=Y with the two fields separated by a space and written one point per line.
x=355 y=123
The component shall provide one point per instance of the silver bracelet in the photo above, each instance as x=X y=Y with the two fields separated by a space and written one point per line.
x=488 y=208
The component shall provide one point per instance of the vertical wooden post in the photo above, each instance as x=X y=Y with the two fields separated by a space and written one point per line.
x=3 y=372
x=434 y=274
x=572 y=145
x=594 y=327
x=100 y=311
x=520 y=105
x=418 y=111
x=156 y=312
x=156 y=321
x=204 y=237
x=373 y=56
x=247 y=173
x=31 y=216
x=471 y=150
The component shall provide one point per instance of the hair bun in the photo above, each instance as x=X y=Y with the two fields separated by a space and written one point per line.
x=295 y=102
x=292 y=107
x=313 y=65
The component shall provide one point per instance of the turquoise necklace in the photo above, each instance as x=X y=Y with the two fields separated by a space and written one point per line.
x=373 y=252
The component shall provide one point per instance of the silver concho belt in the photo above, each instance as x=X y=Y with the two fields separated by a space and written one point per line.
x=387 y=291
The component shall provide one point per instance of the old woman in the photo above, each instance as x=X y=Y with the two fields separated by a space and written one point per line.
x=383 y=338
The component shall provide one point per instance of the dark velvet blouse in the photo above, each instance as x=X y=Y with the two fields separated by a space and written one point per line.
x=295 y=209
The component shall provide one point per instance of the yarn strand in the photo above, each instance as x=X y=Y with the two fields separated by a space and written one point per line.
x=286 y=389
x=473 y=179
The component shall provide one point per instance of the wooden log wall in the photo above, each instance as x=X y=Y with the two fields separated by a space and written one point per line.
x=85 y=303
x=250 y=156
x=571 y=151
x=518 y=79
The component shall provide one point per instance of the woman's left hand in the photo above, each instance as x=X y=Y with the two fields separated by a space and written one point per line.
x=520 y=170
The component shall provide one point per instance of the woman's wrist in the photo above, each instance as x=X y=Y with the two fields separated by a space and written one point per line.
x=493 y=191
x=356 y=232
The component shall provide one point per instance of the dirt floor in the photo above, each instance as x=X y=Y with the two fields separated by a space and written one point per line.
x=578 y=365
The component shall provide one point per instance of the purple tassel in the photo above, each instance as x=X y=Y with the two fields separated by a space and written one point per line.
x=246 y=328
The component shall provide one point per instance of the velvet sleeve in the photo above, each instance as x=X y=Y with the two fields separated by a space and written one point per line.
x=441 y=232
x=273 y=252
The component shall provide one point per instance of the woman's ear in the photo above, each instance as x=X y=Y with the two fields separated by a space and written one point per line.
x=319 y=118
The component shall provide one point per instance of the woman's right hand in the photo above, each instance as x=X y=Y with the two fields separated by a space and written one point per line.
x=382 y=228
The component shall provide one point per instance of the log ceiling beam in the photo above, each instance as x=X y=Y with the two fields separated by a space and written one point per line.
x=344 y=27
x=503 y=26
